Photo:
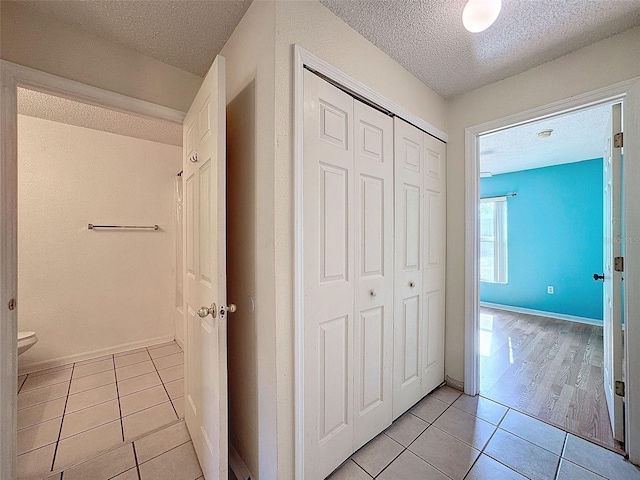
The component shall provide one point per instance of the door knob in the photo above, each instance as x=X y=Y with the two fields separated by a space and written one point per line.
x=231 y=308
x=373 y=293
x=204 y=311
x=411 y=284
x=597 y=277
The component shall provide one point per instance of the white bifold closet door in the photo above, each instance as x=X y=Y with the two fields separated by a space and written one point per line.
x=419 y=265
x=348 y=274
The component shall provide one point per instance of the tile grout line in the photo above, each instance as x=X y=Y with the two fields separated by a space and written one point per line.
x=404 y=449
x=547 y=422
x=23 y=381
x=66 y=400
x=183 y=443
x=481 y=451
x=131 y=442
x=564 y=446
x=43 y=386
x=429 y=425
x=164 y=386
x=115 y=374
x=583 y=467
x=527 y=440
x=135 y=456
x=496 y=431
x=68 y=395
x=365 y=472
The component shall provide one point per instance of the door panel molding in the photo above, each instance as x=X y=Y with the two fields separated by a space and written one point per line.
x=304 y=60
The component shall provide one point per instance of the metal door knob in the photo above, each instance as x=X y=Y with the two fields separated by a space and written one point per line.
x=411 y=284
x=597 y=277
x=231 y=308
x=373 y=293
x=204 y=311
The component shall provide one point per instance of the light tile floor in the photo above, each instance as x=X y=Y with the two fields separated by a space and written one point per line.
x=452 y=436
x=166 y=454
x=71 y=413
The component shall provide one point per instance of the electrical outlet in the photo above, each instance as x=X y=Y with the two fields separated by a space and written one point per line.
x=550 y=289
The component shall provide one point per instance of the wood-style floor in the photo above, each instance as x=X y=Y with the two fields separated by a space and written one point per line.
x=551 y=369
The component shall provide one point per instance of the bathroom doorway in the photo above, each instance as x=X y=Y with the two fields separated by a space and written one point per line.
x=98 y=228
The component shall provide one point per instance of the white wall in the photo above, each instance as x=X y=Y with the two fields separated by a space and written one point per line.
x=37 y=41
x=604 y=63
x=316 y=29
x=87 y=291
x=249 y=54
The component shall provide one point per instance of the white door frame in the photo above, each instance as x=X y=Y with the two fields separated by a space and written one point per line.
x=303 y=59
x=610 y=94
x=13 y=76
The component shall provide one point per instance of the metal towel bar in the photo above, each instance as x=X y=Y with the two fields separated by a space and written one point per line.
x=91 y=226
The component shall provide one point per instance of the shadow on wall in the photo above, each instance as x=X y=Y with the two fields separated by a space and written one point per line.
x=241 y=271
x=555 y=231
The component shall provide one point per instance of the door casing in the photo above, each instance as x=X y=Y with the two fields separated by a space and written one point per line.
x=12 y=77
x=616 y=93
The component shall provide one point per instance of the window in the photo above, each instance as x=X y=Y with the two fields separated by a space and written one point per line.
x=493 y=240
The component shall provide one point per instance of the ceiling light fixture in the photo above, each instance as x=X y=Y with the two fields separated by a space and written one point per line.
x=545 y=133
x=478 y=15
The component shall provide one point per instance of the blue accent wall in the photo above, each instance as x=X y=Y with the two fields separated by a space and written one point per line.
x=555 y=230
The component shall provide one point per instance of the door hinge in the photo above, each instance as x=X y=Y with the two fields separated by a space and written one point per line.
x=619 y=388
x=12 y=304
x=618 y=140
x=618 y=264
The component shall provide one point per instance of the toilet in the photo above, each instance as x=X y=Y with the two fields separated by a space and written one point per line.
x=26 y=340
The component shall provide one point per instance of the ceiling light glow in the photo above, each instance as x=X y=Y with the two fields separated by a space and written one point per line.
x=478 y=15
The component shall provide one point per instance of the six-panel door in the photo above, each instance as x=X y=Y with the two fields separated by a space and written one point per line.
x=373 y=271
x=329 y=265
x=205 y=273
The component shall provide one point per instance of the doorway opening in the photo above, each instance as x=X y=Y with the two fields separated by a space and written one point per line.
x=97 y=286
x=550 y=302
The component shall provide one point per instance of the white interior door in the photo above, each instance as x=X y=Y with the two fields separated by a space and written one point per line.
x=434 y=263
x=348 y=251
x=409 y=264
x=612 y=325
x=328 y=232
x=373 y=320
x=205 y=279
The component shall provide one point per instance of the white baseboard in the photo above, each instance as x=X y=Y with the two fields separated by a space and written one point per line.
x=237 y=465
x=179 y=320
x=56 y=362
x=540 y=313
x=453 y=383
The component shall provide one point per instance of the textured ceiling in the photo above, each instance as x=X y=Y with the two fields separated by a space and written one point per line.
x=428 y=39
x=425 y=36
x=187 y=34
x=576 y=136
x=57 y=109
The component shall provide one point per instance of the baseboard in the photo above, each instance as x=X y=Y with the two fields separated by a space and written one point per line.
x=453 y=383
x=540 y=313
x=56 y=362
x=179 y=320
x=237 y=465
